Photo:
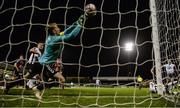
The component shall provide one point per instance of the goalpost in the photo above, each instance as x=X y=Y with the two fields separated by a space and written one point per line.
x=98 y=52
x=165 y=19
x=156 y=47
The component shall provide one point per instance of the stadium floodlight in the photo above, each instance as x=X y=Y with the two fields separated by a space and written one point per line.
x=129 y=46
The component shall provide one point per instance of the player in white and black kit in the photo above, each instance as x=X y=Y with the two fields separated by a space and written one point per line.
x=170 y=73
x=170 y=69
x=35 y=68
x=152 y=87
x=33 y=64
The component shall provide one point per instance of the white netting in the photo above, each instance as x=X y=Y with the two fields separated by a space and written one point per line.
x=168 y=24
x=97 y=53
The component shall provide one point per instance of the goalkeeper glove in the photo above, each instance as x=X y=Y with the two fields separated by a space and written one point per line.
x=82 y=19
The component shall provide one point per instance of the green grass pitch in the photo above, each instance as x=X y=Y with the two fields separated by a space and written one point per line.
x=85 y=97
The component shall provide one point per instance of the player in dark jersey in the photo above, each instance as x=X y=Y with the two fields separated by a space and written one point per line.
x=17 y=74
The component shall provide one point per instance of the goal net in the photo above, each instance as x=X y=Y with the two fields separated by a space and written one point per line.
x=168 y=30
x=115 y=57
x=165 y=30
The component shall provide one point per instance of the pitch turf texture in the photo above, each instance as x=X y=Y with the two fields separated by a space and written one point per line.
x=85 y=96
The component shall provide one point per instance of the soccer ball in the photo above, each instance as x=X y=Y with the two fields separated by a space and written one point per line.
x=90 y=10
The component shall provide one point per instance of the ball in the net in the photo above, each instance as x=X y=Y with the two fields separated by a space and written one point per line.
x=90 y=9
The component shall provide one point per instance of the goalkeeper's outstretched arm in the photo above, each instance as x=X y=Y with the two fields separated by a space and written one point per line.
x=72 y=31
x=68 y=34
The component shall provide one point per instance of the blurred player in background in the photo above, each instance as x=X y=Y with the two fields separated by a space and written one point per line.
x=139 y=80
x=170 y=73
x=98 y=83
x=33 y=64
x=18 y=68
x=34 y=67
x=152 y=87
x=17 y=78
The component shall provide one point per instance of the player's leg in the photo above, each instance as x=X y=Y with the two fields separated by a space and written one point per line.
x=51 y=73
x=37 y=89
x=174 y=80
x=36 y=68
x=167 y=78
x=167 y=87
x=37 y=92
x=171 y=82
x=10 y=84
x=55 y=76
x=16 y=80
x=47 y=72
x=33 y=82
x=60 y=78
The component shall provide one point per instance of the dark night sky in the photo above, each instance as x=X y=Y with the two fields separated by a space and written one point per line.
x=101 y=41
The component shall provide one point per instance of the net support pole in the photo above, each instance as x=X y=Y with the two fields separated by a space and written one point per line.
x=156 y=47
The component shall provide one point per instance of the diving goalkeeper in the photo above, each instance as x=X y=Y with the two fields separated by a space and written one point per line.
x=53 y=49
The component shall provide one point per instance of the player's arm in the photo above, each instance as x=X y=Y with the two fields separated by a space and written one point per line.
x=16 y=66
x=68 y=35
x=32 y=50
x=71 y=32
x=35 y=51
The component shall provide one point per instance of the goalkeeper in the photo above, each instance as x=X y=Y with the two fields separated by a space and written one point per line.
x=53 y=49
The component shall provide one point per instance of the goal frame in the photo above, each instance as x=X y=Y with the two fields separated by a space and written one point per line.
x=156 y=47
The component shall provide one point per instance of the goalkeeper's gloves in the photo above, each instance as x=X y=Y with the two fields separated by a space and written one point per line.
x=82 y=19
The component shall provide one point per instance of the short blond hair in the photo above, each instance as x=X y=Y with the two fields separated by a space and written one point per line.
x=49 y=28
